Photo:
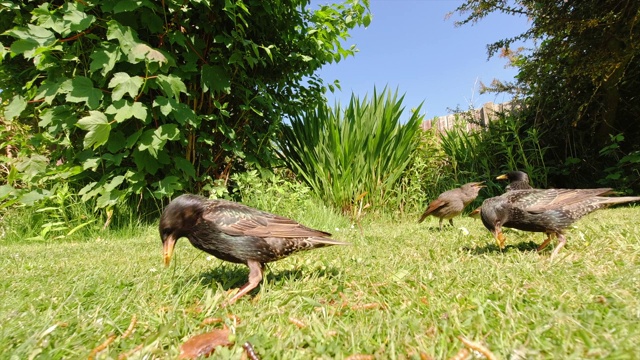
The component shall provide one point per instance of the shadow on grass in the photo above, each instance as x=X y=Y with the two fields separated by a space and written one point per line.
x=528 y=246
x=232 y=276
x=436 y=227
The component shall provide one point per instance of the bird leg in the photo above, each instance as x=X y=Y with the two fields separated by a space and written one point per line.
x=545 y=243
x=499 y=236
x=501 y=239
x=255 y=276
x=441 y=219
x=561 y=242
x=451 y=222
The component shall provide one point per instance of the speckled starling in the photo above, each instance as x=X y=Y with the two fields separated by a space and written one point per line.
x=451 y=203
x=548 y=211
x=237 y=233
x=518 y=180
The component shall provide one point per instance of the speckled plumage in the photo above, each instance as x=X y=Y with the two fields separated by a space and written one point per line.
x=237 y=233
x=451 y=203
x=549 y=211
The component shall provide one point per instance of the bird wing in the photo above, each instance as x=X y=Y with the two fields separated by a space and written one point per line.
x=237 y=219
x=433 y=206
x=537 y=201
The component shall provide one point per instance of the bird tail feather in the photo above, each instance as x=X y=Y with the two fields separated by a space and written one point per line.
x=327 y=241
x=619 y=199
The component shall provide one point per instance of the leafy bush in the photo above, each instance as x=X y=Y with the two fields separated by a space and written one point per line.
x=356 y=156
x=138 y=100
x=625 y=174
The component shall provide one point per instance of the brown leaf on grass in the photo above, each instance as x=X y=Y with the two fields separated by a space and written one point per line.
x=101 y=347
x=129 y=330
x=368 y=306
x=204 y=344
x=359 y=357
x=210 y=321
x=234 y=318
x=297 y=323
x=126 y=355
x=463 y=354
x=425 y=356
x=478 y=347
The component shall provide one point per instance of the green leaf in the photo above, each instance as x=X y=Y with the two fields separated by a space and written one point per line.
x=146 y=52
x=77 y=20
x=185 y=166
x=91 y=163
x=132 y=139
x=123 y=110
x=15 y=107
x=98 y=128
x=216 y=79
x=167 y=187
x=48 y=91
x=58 y=118
x=38 y=35
x=104 y=58
x=32 y=197
x=131 y=5
x=171 y=85
x=122 y=84
x=108 y=198
x=6 y=190
x=153 y=140
x=32 y=166
x=80 y=89
x=114 y=183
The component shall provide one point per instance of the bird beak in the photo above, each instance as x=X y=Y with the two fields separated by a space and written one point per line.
x=167 y=249
x=502 y=177
x=481 y=184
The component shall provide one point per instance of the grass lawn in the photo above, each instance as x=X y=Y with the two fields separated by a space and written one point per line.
x=401 y=291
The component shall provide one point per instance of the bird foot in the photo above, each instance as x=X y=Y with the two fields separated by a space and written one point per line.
x=545 y=243
x=501 y=240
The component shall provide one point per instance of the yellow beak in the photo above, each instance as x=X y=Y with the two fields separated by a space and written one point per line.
x=167 y=249
x=502 y=177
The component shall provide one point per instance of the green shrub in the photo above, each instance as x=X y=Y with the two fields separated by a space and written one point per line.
x=130 y=99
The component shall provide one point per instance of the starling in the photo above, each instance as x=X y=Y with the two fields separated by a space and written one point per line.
x=237 y=233
x=518 y=180
x=548 y=211
x=451 y=203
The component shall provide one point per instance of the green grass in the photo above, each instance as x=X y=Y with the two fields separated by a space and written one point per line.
x=399 y=290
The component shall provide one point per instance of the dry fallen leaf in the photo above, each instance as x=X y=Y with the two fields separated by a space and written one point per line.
x=463 y=354
x=101 y=347
x=204 y=344
x=209 y=321
x=368 y=306
x=297 y=322
x=359 y=357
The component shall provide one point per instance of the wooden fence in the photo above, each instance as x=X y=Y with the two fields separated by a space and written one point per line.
x=481 y=117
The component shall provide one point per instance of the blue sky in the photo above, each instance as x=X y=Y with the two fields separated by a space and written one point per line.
x=410 y=46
